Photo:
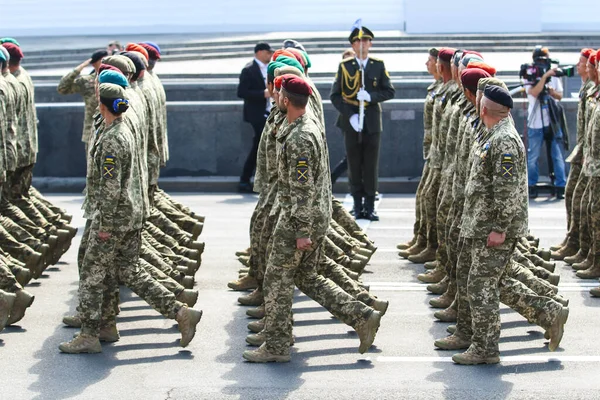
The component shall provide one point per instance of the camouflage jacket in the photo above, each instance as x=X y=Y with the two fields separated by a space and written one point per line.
x=85 y=85
x=469 y=126
x=593 y=95
x=15 y=90
x=266 y=159
x=432 y=92
x=496 y=190
x=592 y=161
x=148 y=92
x=437 y=127
x=113 y=182
x=452 y=137
x=303 y=180
x=4 y=104
x=27 y=139
x=162 y=135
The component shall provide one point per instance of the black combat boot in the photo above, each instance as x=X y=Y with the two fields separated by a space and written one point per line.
x=560 y=193
x=357 y=210
x=370 y=213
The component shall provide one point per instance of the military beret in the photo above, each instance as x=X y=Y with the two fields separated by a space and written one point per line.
x=481 y=65
x=153 y=54
x=272 y=66
x=484 y=82
x=5 y=52
x=14 y=50
x=280 y=52
x=498 y=95
x=456 y=57
x=296 y=85
x=106 y=67
x=141 y=57
x=592 y=57
x=446 y=54
x=470 y=57
x=473 y=52
x=136 y=60
x=9 y=40
x=434 y=52
x=111 y=91
x=293 y=44
x=292 y=62
x=586 y=52
x=154 y=45
x=138 y=48
x=98 y=55
x=2 y=56
x=124 y=64
x=287 y=70
x=277 y=82
x=114 y=77
x=308 y=62
x=470 y=78
x=298 y=55
x=366 y=34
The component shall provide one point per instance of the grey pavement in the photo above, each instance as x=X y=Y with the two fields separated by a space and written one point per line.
x=148 y=364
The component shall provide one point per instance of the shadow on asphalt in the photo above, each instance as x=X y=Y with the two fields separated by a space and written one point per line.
x=242 y=199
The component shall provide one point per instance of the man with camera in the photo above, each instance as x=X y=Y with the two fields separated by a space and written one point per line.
x=542 y=124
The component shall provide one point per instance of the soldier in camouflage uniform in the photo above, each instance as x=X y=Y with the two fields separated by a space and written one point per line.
x=494 y=217
x=304 y=193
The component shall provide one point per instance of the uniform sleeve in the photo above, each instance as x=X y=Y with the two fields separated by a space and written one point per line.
x=505 y=183
x=301 y=162
x=110 y=184
x=68 y=83
x=386 y=89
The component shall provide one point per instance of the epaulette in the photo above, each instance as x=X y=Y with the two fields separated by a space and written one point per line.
x=345 y=60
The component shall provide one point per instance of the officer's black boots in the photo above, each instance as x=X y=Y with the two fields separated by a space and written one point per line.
x=357 y=210
x=370 y=213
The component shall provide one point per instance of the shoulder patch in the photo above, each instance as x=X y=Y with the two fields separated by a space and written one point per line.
x=302 y=170
x=507 y=166
x=108 y=167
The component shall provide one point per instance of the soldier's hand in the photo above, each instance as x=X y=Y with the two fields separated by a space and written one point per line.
x=104 y=236
x=495 y=239
x=267 y=94
x=354 y=122
x=303 y=244
x=84 y=64
x=363 y=95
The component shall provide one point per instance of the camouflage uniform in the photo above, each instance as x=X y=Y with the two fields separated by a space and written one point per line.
x=162 y=136
x=148 y=94
x=304 y=199
x=592 y=170
x=495 y=200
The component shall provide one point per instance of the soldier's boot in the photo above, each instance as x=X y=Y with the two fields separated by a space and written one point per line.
x=370 y=212
x=356 y=266
x=544 y=254
x=469 y=357
x=200 y=246
x=554 y=279
x=188 y=296
x=245 y=283
x=23 y=301
x=82 y=344
x=365 y=253
x=452 y=342
x=440 y=287
x=39 y=268
x=535 y=259
x=262 y=355
x=447 y=315
x=258 y=312
x=585 y=264
x=445 y=300
x=559 y=299
x=187 y=320
x=108 y=333
x=256 y=326
x=592 y=272
x=73 y=321
x=193 y=255
x=196 y=231
x=244 y=270
x=365 y=286
x=451 y=329
x=380 y=305
x=243 y=252
x=23 y=276
x=535 y=242
x=423 y=257
x=63 y=241
x=431 y=264
x=567 y=251
x=434 y=276
x=33 y=261
x=595 y=292
x=549 y=266
x=244 y=260
x=7 y=301
x=351 y=274
x=255 y=298
x=362 y=259
x=367 y=331
x=557 y=329
x=185 y=270
x=368 y=243
x=188 y=282
x=404 y=246
x=414 y=250
x=257 y=339
x=578 y=257
x=357 y=209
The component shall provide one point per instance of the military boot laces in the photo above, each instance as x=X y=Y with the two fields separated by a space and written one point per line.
x=187 y=320
x=82 y=344
x=245 y=283
x=256 y=326
x=254 y=299
x=452 y=342
x=367 y=331
x=447 y=315
x=262 y=355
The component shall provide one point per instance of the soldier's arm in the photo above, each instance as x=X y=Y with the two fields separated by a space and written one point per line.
x=300 y=156
x=70 y=83
x=336 y=96
x=386 y=90
x=111 y=183
x=505 y=183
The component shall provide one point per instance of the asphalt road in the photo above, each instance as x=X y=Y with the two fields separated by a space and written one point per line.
x=148 y=364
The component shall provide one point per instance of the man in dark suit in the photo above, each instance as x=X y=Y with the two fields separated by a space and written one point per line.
x=362 y=149
x=253 y=89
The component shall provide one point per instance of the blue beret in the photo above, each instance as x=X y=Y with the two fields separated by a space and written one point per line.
x=152 y=44
x=498 y=95
x=114 y=77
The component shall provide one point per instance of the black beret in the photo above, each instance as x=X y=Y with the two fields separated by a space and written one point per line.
x=498 y=95
x=367 y=34
x=99 y=55
x=137 y=61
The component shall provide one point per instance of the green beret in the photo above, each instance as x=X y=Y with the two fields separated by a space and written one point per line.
x=292 y=62
x=490 y=81
x=307 y=58
x=9 y=40
x=111 y=91
x=434 y=52
x=273 y=65
x=124 y=64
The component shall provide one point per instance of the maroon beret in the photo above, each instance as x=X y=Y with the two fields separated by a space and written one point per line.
x=476 y=53
x=106 y=67
x=14 y=51
x=152 y=52
x=470 y=78
x=295 y=84
x=446 y=54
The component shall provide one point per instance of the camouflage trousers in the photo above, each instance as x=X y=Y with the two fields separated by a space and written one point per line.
x=162 y=198
x=169 y=283
x=19 y=181
x=169 y=227
x=344 y=218
x=347 y=246
x=520 y=258
x=576 y=212
x=594 y=218
x=482 y=284
x=8 y=282
x=585 y=228
x=573 y=179
x=15 y=248
x=34 y=193
x=261 y=229
x=288 y=267
x=420 y=225
x=183 y=220
x=15 y=214
x=526 y=277
x=335 y=272
x=443 y=212
x=431 y=190
x=335 y=253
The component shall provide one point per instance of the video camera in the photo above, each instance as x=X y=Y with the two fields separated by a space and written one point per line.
x=533 y=72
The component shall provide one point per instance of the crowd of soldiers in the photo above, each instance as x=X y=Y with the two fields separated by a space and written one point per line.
x=300 y=235
x=34 y=233
x=581 y=246
x=471 y=228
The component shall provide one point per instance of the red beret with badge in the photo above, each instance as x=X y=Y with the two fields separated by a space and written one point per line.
x=470 y=78
x=153 y=54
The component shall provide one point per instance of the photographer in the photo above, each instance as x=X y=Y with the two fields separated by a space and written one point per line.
x=542 y=125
